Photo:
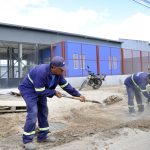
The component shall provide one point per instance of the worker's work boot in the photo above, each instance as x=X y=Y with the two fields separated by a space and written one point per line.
x=140 y=108
x=148 y=101
x=131 y=110
x=50 y=139
x=29 y=146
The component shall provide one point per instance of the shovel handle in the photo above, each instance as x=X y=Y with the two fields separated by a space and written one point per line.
x=72 y=97
x=78 y=98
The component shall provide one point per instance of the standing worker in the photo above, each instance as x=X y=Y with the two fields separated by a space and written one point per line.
x=136 y=84
x=39 y=84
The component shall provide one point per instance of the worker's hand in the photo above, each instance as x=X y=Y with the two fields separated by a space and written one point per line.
x=82 y=98
x=58 y=94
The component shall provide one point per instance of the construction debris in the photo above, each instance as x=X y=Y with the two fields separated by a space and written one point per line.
x=12 y=109
x=11 y=105
x=112 y=99
x=14 y=93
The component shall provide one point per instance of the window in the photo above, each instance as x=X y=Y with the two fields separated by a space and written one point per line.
x=75 y=61
x=115 y=63
x=82 y=61
x=110 y=61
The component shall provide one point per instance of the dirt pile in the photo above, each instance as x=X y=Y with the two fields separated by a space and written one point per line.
x=112 y=99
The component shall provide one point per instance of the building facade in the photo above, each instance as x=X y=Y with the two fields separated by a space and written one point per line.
x=21 y=48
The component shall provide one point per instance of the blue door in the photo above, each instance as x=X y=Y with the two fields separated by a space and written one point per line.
x=116 y=61
x=89 y=55
x=73 y=53
x=105 y=60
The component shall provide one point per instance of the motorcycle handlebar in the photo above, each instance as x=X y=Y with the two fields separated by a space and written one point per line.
x=101 y=76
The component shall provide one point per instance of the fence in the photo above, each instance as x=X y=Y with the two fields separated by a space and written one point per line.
x=135 y=61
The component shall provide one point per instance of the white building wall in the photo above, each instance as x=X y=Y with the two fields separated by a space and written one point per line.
x=135 y=44
x=114 y=80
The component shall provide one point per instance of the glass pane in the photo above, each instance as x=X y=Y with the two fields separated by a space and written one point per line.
x=128 y=67
x=136 y=56
x=127 y=55
x=75 y=60
x=145 y=67
x=145 y=57
x=136 y=67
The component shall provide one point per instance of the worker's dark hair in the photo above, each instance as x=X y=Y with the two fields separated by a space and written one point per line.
x=51 y=66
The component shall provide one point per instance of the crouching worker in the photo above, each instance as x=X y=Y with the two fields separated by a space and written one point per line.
x=137 y=84
x=39 y=84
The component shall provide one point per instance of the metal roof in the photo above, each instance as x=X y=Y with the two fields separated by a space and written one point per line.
x=56 y=32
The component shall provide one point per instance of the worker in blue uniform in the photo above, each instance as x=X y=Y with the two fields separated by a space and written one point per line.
x=39 y=84
x=136 y=85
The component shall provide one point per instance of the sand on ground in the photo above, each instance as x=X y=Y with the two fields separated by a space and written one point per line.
x=87 y=126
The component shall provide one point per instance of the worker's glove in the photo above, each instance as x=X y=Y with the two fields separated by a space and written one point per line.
x=58 y=94
x=82 y=98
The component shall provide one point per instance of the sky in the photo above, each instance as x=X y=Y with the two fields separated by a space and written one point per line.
x=109 y=19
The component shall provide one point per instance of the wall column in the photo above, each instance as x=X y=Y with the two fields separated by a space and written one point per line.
x=36 y=54
x=20 y=61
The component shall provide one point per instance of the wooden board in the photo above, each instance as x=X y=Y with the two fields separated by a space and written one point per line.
x=14 y=93
x=12 y=109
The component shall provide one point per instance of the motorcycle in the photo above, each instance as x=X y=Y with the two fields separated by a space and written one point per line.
x=93 y=80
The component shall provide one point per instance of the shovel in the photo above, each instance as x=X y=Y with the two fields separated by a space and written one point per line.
x=78 y=98
x=63 y=95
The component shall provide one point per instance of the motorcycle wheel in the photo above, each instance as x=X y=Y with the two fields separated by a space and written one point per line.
x=82 y=85
x=90 y=82
x=97 y=84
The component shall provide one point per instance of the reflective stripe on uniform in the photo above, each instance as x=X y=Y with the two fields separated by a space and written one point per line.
x=36 y=89
x=64 y=85
x=137 y=85
x=44 y=129
x=39 y=89
x=130 y=106
x=29 y=133
x=30 y=78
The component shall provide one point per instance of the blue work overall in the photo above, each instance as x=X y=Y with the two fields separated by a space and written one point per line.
x=39 y=84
